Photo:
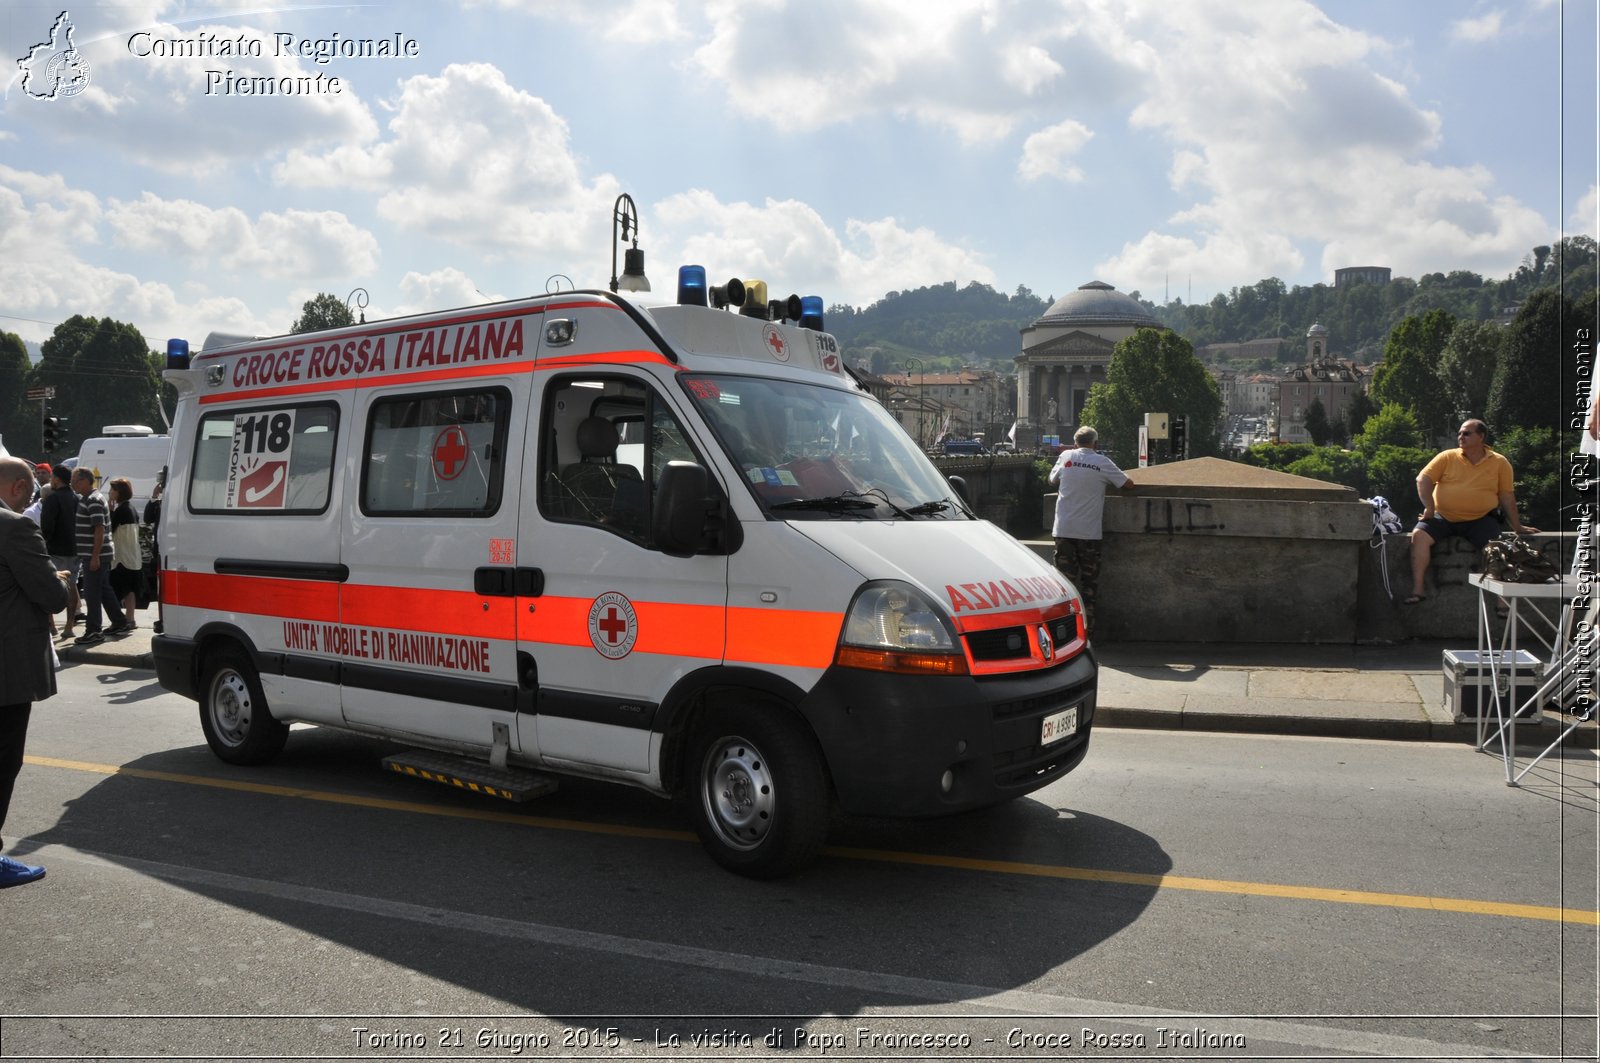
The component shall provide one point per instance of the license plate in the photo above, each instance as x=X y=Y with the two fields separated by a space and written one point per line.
x=1059 y=725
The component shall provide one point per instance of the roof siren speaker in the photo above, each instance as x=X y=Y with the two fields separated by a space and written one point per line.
x=726 y=295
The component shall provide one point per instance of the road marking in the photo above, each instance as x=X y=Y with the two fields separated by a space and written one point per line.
x=1579 y=916
x=1022 y=1002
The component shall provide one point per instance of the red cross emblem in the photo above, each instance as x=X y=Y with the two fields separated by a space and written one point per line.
x=613 y=625
x=776 y=343
x=449 y=453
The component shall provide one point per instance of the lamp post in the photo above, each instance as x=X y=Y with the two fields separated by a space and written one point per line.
x=625 y=220
x=921 y=376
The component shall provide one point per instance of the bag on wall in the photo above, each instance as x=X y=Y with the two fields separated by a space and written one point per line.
x=1511 y=559
x=1384 y=519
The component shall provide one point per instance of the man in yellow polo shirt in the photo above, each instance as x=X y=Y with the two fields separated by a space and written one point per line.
x=1460 y=489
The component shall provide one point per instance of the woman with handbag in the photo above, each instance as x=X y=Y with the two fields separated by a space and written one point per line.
x=127 y=567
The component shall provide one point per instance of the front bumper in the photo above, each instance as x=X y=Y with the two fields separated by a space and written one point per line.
x=889 y=739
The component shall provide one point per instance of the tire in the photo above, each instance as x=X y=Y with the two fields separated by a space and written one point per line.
x=758 y=791
x=233 y=711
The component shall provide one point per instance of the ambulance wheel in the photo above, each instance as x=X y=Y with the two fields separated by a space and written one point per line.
x=759 y=792
x=233 y=712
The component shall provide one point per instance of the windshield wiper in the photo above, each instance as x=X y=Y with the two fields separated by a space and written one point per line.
x=938 y=505
x=827 y=502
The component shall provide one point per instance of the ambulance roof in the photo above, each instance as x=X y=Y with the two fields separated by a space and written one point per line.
x=711 y=339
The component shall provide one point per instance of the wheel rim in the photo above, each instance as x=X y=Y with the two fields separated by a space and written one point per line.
x=737 y=790
x=230 y=707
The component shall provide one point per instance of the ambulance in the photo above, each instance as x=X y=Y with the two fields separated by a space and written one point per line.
x=677 y=547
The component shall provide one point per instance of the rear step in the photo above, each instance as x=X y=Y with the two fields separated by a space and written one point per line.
x=512 y=784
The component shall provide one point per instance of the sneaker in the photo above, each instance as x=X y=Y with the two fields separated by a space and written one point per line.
x=13 y=873
x=116 y=629
x=93 y=638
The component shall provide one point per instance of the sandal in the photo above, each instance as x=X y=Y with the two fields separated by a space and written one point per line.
x=1413 y=599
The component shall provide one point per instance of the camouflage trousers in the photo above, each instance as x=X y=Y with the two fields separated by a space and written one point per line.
x=1079 y=561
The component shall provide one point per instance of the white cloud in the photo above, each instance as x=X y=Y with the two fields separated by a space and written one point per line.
x=152 y=107
x=972 y=68
x=51 y=236
x=469 y=159
x=1485 y=27
x=789 y=245
x=441 y=289
x=1049 y=152
x=1292 y=139
x=1585 y=217
x=629 y=21
x=293 y=243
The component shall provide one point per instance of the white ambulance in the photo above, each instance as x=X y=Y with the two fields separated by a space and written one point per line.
x=677 y=547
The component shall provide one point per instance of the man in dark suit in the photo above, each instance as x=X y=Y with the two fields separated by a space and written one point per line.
x=31 y=590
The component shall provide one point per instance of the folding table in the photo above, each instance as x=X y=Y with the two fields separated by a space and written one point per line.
x=1570 y=659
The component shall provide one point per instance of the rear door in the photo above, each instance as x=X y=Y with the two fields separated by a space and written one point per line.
x=252 y=534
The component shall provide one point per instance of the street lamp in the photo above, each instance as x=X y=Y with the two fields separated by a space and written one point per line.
x=625 y=216
x=920 y=400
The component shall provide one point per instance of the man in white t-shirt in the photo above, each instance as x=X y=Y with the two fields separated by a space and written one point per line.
x=1082 y=476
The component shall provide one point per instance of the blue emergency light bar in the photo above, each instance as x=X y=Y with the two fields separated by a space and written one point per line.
x=811 y=312
x=691 y=286
x=749 y=296
x=177 y=354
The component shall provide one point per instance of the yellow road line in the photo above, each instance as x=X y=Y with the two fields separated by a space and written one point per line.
x=1580 y=916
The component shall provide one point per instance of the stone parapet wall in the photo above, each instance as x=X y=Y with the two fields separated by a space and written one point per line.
x=1451 y=608
x=1203 y=586
x=1215 y=551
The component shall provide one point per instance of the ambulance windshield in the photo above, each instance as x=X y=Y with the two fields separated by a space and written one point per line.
x=820 y=453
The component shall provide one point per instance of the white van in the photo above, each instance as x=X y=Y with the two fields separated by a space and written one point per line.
x=673 y=547
x=134 y=451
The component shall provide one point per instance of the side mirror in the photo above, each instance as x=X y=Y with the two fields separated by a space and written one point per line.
x=690 y=516
x=960 y=484
x=678 y=523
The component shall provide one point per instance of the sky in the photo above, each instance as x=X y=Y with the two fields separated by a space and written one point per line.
x=423 y=156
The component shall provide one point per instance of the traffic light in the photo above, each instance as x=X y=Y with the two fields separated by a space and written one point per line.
x=1178 y=435
x=52 y=432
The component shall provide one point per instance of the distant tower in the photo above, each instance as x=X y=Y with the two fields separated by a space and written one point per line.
x=1316 y=345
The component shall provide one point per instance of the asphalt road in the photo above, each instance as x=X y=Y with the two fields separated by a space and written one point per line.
x=1180 y=896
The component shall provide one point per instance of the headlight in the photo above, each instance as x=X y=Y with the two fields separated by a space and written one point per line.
x=893 y=627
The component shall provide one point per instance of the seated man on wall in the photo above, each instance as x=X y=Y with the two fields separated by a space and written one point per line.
x=1460 y=490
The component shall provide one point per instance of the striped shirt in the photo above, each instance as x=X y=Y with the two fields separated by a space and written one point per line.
x=91 y=511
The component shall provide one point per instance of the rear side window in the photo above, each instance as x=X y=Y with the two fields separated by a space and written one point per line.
x=264 y=460
x=441 y=454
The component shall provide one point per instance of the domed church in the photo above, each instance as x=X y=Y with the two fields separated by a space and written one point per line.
x=1065 y=352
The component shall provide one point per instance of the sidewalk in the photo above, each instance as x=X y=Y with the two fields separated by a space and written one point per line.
x=1390 y=692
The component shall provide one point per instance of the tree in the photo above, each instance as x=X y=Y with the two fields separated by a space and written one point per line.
x=1356 y=413
x=1467 y=367
x=1536 y=460
x=1392 y=426
x=1153 y=371
x=16 y=424
x=1409 y=375
x=1392 y=472
x=1333 y=465
x=322 y=311
x=1527 y=392
x=102 y=373
x=1317 y=426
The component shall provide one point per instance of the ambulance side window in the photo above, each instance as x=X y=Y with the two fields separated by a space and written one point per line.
x=276 y=459
x=604 y=442
x=439 y=454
